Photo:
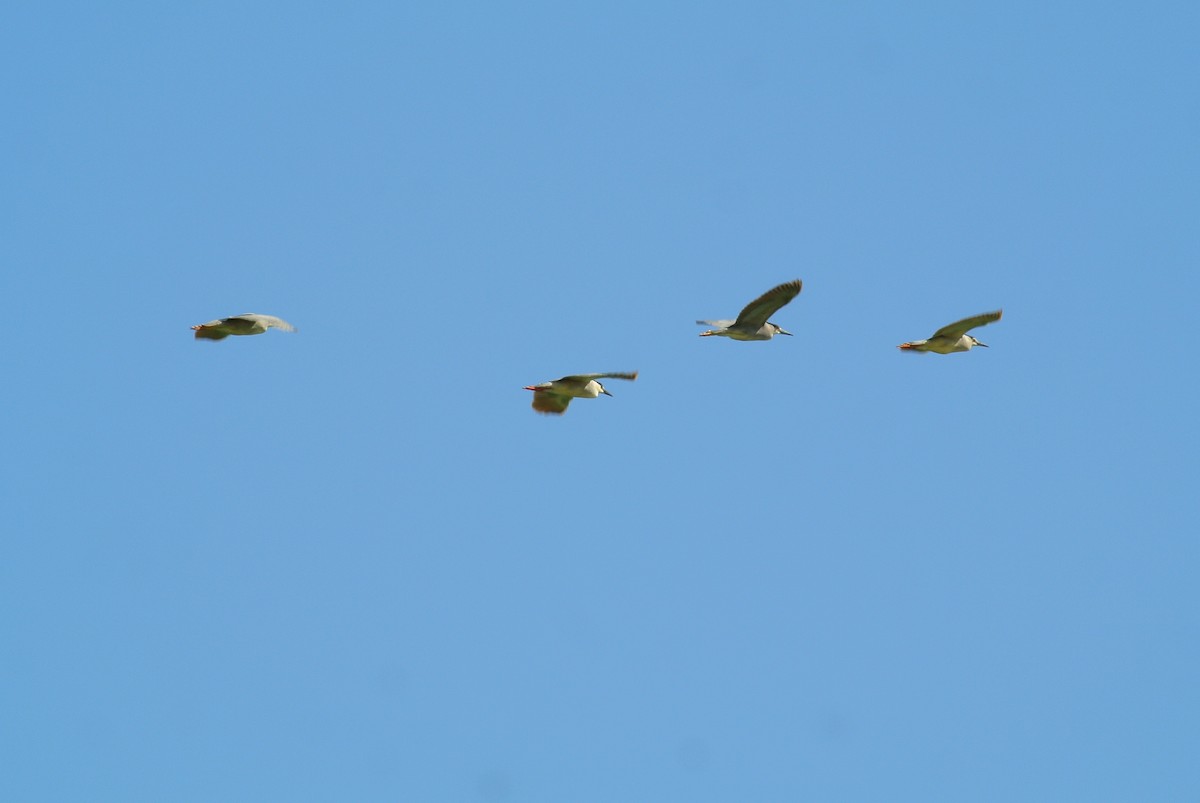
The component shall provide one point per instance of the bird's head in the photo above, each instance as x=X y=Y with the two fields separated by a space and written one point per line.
x=975 y=342
x=603 y=389
x=779 y=330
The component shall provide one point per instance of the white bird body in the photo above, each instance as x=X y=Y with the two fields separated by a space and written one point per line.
x=724 y=329
x=752 y=323
x=250 y=323
x=953 y=337
x=554 y=396
x=944 y=346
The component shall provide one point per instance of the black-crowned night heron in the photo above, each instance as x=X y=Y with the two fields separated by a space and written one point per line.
x=954 y=337
x=752 y=323
x=553 y=397
x=249 y=324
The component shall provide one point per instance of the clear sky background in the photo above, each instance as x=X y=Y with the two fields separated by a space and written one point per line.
x=351 y=563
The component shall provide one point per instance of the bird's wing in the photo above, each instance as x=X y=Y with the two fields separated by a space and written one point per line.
x=757 y=311
x=210 y=331
x=718 y=324
x=960 y=328
x=233 y=325
x=270 y=321
x=585 y=378
x=545 y=402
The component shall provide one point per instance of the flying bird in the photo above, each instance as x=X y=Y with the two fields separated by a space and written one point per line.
x=752 y=323
x=954 y=337
x=248 y=324
x=553 y=397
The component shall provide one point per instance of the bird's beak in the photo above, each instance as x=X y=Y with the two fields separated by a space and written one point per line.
x=605 y=391
x=529 y=387
x=784 y=332
x=985 y=345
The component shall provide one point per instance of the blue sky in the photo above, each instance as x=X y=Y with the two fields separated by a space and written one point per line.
x=352 y=564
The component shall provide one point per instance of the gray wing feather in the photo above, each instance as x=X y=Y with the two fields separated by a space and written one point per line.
x=960 y=328
x=760 y=309
x=545 y=402
x=583 y=378
x=268 y=320
x=205 y=331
